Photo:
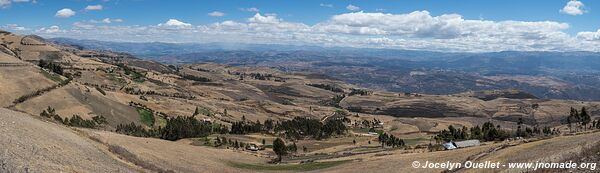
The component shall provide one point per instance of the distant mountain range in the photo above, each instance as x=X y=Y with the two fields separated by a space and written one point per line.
x=554 y=75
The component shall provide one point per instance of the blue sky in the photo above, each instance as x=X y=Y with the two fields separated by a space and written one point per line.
x=468 y=25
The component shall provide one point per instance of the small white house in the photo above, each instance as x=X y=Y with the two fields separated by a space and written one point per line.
x=252 y=147
x=461 y=144
x=449 y=146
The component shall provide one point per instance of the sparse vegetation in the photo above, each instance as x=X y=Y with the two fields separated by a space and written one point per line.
x=100 y=90
x=196 y=78
x=390 y=140
x=135 y=130
x=40 y=92
x=580 y=118
x=329 y=87
x=52 y=76
x=146 y=116
x=289 y=167
x=362 y=92
x=75 y=120
x=334 y=101
x=301 y=127
x=53 y=67
x=134 y=74
x=487 y=132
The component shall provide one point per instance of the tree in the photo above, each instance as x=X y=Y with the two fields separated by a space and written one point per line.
x=196 y=112
x=279 y=148
x=585 y=118
x=569 y=121
x=573 y=118
x=293 y=148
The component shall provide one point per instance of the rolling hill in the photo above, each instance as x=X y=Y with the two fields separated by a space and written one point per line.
x=50 y=90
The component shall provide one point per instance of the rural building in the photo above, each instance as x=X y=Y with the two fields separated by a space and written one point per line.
x=252 y=147
x=461 y=144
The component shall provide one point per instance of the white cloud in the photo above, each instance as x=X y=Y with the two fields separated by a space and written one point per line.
x=82 y=25
x=216 y=14
x=175 y=23
x=573 y=8
x=65 y=13
x=270 y=19
x=352 y=7
x=251 y=9
x=326 y=5
x=589 y=36
x=14 y=27
x=50 y=30
x=7 y=3
x=107 y=21
x=93 y=7
x=420 y=24
x=415 y=30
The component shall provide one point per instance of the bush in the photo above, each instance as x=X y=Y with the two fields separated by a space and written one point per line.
x=77 y=121
x=135 y=130
x=100 y=90
x=332 y=88
x=196 y=78
x=56 y=68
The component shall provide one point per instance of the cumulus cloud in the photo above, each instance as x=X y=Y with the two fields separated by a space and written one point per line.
x=257 y=18
x=251 y=9
x=14 y=27
x=573 y=8
x=65 y=13
x=50 y=30
x=175 y=24
x=352 y=7
x=216 y=14
x=414 y=30
x=421 y=24
x=589 y=36
x=93 y=7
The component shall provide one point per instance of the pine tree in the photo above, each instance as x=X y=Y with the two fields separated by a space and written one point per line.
x=279 y=148
x=585 y=118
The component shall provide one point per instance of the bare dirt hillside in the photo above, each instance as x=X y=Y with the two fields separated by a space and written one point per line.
x=549 y=150
x=164 y=156
x=32 y=145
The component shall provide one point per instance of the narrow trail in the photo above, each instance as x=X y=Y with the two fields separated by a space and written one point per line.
x=16 y=64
